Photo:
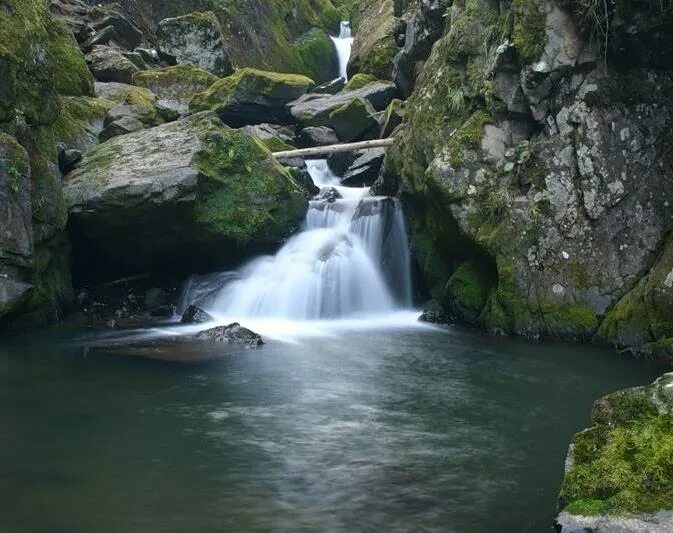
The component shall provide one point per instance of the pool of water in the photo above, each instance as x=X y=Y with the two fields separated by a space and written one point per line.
x=360 y=429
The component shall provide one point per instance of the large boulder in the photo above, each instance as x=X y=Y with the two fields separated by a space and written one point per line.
x=315 y=109
x=195 y=38
x=253 y=96
x=175 y=86
x=365 y=169
x=218 y=193
x=618 y=472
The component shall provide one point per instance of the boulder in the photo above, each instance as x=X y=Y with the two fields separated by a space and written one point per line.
x=68 y=158
x=365 y=169
x=195 y=315
x=433 y=313
x=315 y=109
x=339 y=162
x=218 y=193
x=267 y=132
x=81 y=121
x=175 y=86
x=231 y=334
x=317 y=136
x=354 y=120
x=121 y=126
x=109 y=64
x=195 y=38
x=253 y=96
x=359 y=81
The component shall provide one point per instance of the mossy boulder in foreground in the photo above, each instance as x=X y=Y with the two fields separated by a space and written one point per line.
x=252 y=96
x=189 y=189
x=619 y=473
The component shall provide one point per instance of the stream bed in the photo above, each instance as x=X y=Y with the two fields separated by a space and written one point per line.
x=378 y=428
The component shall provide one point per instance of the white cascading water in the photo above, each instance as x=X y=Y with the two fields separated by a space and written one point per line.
x=350 y=260
x=343 y=45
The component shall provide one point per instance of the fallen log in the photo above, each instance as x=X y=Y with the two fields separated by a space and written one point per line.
x=334 y=148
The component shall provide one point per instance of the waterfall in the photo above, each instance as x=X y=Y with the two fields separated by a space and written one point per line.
x=349 y=259
x=343 y=45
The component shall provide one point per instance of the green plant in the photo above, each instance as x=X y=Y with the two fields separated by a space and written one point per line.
x=15 y=176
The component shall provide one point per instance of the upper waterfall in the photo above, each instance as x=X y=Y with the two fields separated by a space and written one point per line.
x=343 y=44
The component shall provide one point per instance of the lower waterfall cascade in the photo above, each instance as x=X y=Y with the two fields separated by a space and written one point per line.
x=350 y=258
x=343 y=44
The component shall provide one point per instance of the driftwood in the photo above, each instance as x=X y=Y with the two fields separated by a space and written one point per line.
x=334 y=148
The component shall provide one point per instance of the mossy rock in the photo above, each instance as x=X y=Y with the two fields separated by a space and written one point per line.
x=359 y=80
x=252 y=96
x=195 y=38
x=39 y=59
x=623 y=465
x=353 y=120
x=80 y=121
x=175 y=86
x=644 y=316
x=469 y=288
x=529 y=35
x=219 y=193
x=316 y=55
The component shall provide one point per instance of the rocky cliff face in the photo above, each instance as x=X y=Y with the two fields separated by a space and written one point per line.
x=535 y=165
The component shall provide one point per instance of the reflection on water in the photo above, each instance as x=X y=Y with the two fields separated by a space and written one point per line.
x=364 y=430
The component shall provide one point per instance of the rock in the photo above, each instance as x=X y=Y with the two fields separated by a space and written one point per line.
x=354 y=120
x=125 y=33
x=231 y=334
x=365 y=169
x=317 y=136
x=314 y=109
x=339 y=162
x=359 y=81
x=195 y=38
x=155 y=298
x=253 y=96
x=124 y=93
x=374 y=45
x=131 y=202
x=434 y=313
x=195 y=315
x=392 y=118
x=175 y=86
x=81 y=120
x=329 y=195
x=267 y=132
x=616 y=475
x=330 y=87
x=109 y=64
x=122 y=126
x=68 y=158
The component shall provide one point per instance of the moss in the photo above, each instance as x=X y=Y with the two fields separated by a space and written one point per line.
x=163 y=80
x=80 y=121
x=470 y=287
x=627 y=469
x=232 y=205
x=13 y=160
x=251 y=83
x=316 y=55
x=274 y=144
x=38 y=59
x=469 y=136
x=529 y=33
x=359 y=80
x=575 y=321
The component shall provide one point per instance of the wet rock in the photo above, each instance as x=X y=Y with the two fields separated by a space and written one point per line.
x=392 y=118
x=252 y=96
x=67 y=158
x=197 y=39
x=317 y=136
x=339 y=162
x=109 y=65
x=329 y=195
x=330 y=87
x=365 y=169
x=195 y=315
x=231 y=334
x=121 y=126
x=434 y=313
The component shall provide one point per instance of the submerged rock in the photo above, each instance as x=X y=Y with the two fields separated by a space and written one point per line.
x=231 y=334
x=188 y=188
x=252 y=96
x=195 y=38
x=195 y=315
x=618 y=472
